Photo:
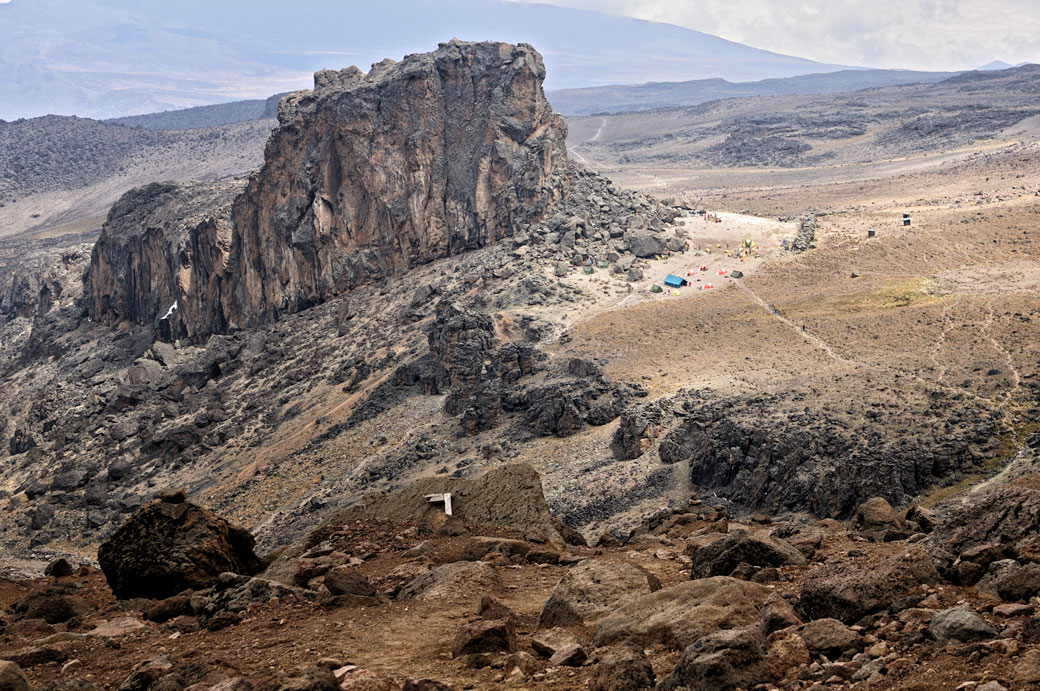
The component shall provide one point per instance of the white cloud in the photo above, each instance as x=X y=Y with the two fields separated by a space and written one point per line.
x=916 y=34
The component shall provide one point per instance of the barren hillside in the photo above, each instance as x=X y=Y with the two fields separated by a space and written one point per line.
x=872 y=125
x=60 y=174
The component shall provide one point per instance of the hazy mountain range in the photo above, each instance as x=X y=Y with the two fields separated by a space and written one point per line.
x=111 y=58
x=627 y=98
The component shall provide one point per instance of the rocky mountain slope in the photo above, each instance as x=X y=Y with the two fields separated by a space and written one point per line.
x=205 y=116
x=61 y=174
x=459 y=329
x=376 y=261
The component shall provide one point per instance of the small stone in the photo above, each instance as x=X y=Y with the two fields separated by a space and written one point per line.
x=550 y=641
x=484 y=636
x=422 y=549
x=432 y=685
x=777 y=613
x=830 y=637
x=490 y=608
x=36 y=655
x=784 y=650
x=900 y=665
x=991 y=686
x=571 y=655
x=59 y=568
x=878 y=650
x=868 y=670
x=354 y=678
x=117 y=628
x=621 y=668
x=1013 y=609
x=1027 y=671
x=343 y=580
x=960 y=625
x=330 y=663
x=69 y=666
x=930 y=602
x=173 y=496
x=146 y=673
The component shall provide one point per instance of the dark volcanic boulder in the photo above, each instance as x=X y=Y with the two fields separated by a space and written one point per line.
x=592 y=590
x=722 y=661
x=771 y=453
x=721 y=557
x=876 y=520
x=53 y=605
x=166 y=548
x=483 y=636
x=646 y=244
x=621 y=668
x=849 y=592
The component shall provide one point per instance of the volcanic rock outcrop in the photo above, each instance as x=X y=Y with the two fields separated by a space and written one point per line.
x=366 y=177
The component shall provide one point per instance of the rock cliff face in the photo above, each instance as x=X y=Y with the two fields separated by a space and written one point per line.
x=366 y=177
x=157 y=246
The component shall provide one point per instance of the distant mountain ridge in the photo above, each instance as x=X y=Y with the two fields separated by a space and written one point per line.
x=204 y=116
x=589 y=101
x=638 y=97
x=999 y=65
x=111 y=59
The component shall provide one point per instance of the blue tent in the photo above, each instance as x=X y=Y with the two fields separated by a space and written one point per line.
x=674 y=281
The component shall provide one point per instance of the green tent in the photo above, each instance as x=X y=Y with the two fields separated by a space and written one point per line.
x=656 y=289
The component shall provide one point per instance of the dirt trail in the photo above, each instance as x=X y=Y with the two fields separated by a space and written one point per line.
x=599 y=132
x=1016 y=375
x=799 y=329
x=948 y=325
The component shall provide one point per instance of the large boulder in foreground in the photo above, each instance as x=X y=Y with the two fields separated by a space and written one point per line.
x=448 y=580
x=171 y=545
x=684 y=613
x=849 y=593
x=593 y=589
x=722 y=556
x=721 y=661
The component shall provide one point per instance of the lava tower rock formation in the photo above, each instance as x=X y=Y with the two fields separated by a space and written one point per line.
x=367 y=176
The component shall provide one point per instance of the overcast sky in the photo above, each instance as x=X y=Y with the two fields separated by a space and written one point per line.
x=914 y=34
